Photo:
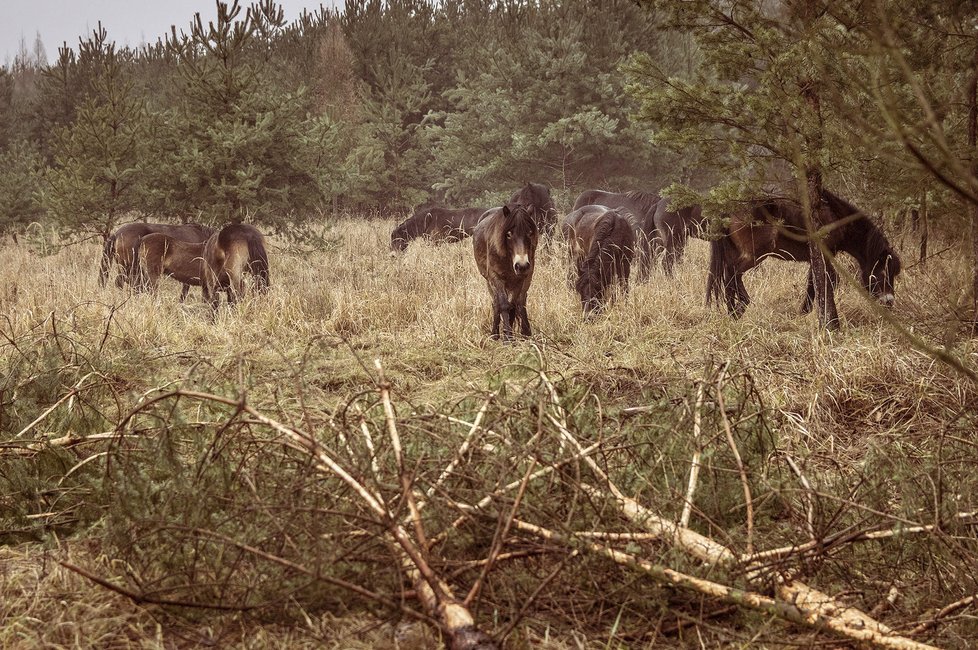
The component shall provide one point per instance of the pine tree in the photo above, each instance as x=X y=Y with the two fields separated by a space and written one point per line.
x=550 y=107
x=95 y=177
x=21 y=173
x=232 y=148
x=757 y=108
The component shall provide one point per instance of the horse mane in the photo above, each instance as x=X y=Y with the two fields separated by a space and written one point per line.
x=877 y=245
x=605 y=226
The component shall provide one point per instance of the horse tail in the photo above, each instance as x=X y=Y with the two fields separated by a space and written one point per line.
x=258 y=262
x=136 y=270
x=108 y=250
x=718 y=276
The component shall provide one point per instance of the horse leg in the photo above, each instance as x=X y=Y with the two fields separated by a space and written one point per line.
x=679 y=245
x=669 y=244
x=524 y=318
x=822 y=276
x=806 y=303
x=736 y=294
x=183 y=292
x=742 y=294
x=505 y=314
x=624 y=270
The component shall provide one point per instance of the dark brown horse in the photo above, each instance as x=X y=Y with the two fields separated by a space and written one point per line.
x=161 y=255
x=436 y=224
x=601 y=243
x=536 y=199
x=505 y=244
x=674 y=227
x=640 y=208
x=228 y=254
x=776 y=227
x=122 y=246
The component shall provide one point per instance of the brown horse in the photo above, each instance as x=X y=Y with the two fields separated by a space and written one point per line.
x=673 y=228
x=601 y=243
x=536 y=199
x=640 y=207
x=436 y=224
x=163 y=255
x=776 y=227
x=505 y=244
x=121 y=247
x=227 y=255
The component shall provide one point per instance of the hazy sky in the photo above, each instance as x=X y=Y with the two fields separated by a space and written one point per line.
x=128 y=22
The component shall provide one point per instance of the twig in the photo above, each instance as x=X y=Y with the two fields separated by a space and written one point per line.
x=140 y=599
x=943 y=612
x=694 y=469
x=500 y=538
x=809 y=502
x=846 y=538
x=738 y=459
x=462 y=449
x=506 y=631
x=71 y=393
x=805 y=609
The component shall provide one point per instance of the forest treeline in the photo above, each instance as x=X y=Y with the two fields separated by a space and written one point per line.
x=381 y=105
x=373 y=106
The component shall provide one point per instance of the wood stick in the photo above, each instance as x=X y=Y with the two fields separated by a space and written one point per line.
x=740 y=463
x=694 y=469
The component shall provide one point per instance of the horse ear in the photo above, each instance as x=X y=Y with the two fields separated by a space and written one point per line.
x=506 y=211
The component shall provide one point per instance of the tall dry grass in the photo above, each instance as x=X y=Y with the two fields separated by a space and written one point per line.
x=857 y=409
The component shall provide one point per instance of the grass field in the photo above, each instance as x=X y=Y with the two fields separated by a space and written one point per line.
x=178 y=500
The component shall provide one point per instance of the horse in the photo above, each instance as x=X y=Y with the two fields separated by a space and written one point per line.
x=505 y=244
x=776 y=227
x=640 y=207
x=536 y=199
x=227 y=254
x=160 y=254
x=122 y=247
x=436 y=224
x=601 y=243
x=673 y=228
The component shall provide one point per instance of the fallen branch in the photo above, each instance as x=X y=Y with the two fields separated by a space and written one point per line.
x=694 y=469
x=805 y=606
x=942 y=613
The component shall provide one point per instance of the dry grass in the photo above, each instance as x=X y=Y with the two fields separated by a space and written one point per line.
x=842 y=401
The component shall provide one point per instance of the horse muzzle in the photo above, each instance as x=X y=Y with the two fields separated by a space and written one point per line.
x=521 y=264
x=887 y=300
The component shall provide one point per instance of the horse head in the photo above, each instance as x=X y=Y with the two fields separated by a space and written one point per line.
x=880 y=269
x=399 y=239
x=520 y=236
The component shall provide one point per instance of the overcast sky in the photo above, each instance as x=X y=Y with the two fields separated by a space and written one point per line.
x=128 y=22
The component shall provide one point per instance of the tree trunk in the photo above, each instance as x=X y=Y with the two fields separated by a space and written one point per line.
x=973 y=154
x=828 y=317
x=923 y=229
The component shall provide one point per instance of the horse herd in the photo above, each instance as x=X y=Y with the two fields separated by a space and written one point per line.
x=192 y=254
x=606 y=233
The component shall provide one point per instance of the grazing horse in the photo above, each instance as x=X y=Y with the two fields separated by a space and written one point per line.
x=122 y=247
x=505 y=244
x=674 y=228
x=227 y=255
x=436 y=224
x=640 y=207
x=776 y=227
x=536 y=199
x=161 y=254
x=601 y=243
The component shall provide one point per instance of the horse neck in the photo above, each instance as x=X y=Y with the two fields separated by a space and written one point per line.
x=861 y=233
